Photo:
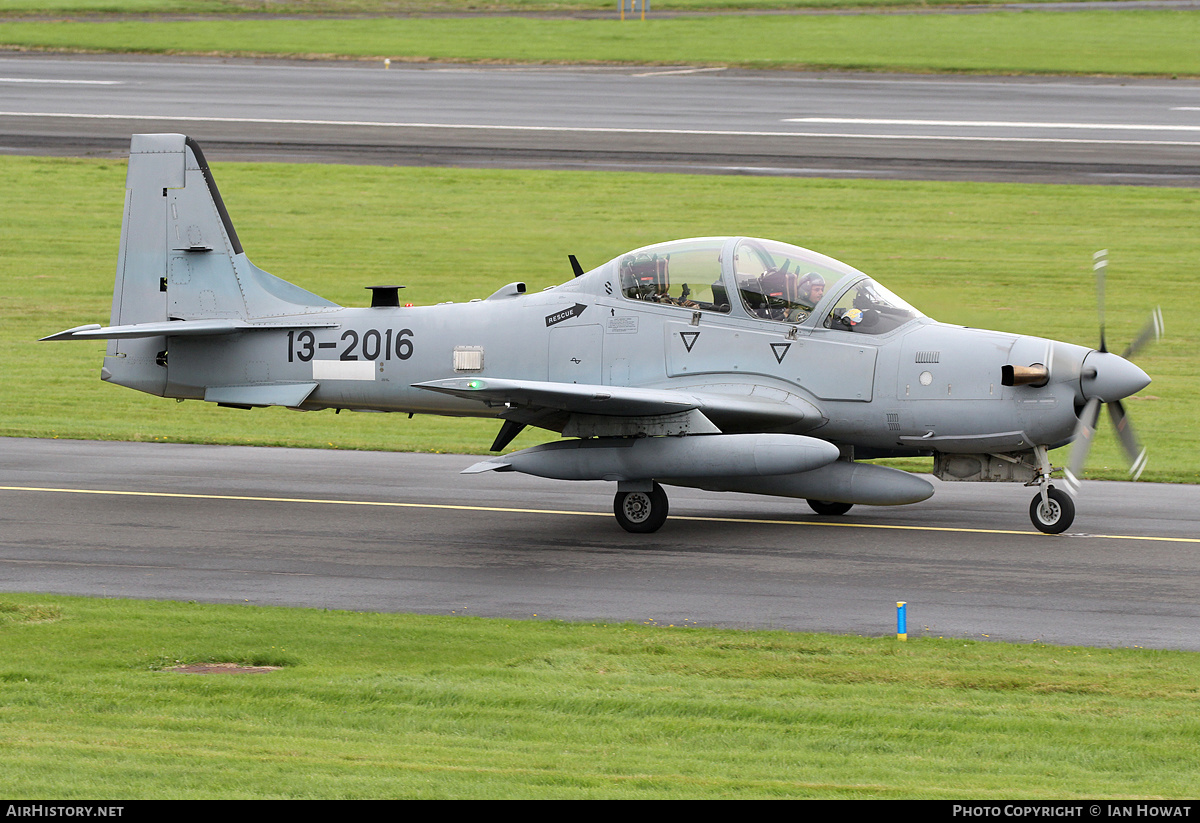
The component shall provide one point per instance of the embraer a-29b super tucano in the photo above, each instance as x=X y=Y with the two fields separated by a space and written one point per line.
x=721 y=363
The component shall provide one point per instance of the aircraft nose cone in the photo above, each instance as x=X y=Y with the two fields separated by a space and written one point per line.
x=1109 y=377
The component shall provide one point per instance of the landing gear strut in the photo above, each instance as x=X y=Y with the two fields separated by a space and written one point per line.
x=641 y=512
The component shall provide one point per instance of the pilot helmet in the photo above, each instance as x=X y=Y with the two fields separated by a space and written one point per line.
x=807 y=283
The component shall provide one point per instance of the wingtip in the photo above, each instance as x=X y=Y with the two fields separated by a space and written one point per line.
x=69 y=334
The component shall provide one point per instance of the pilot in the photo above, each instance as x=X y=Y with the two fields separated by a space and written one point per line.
x=811 y=288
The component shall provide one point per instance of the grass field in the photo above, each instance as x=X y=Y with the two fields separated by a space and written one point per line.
x=1092 y=42
x=375 y=706
x=384 y=7
x=1012 y=257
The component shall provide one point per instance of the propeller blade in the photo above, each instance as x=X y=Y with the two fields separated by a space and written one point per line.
x=1129 y=441
x=1085 y=433
x=1099 y=265
x=1151 y=332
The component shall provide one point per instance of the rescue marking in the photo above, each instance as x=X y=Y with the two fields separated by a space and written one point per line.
x=565 y=314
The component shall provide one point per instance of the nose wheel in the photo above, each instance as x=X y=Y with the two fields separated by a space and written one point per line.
x=641 y=512
x=1053 y=513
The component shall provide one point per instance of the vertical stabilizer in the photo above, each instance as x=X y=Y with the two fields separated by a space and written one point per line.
x=181 y=259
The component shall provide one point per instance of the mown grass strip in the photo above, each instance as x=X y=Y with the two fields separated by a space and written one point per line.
x=1142 y=42
x=377 y=705
x=281 y=8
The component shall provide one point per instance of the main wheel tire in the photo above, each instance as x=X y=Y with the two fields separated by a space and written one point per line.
x=641 y=512
x=1055 y=515
x=829 y=507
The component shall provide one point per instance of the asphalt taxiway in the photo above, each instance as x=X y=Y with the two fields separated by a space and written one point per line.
x=402 y=532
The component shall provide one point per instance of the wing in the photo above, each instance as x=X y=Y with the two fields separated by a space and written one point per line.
x=583 y=410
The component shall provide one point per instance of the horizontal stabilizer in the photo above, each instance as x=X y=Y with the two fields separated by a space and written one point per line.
x=260 y=394
x=177 y=328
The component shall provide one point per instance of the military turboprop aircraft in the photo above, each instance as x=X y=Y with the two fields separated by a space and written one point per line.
x=722 y=363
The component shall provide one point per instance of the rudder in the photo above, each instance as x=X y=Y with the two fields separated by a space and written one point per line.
x=156 y=165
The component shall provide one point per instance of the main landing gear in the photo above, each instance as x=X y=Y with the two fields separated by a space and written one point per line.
x=641 y=512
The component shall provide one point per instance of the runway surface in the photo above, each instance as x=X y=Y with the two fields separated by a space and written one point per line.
x=682 y=118
x=406 y=532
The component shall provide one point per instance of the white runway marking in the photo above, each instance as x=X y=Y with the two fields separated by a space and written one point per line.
x=590 y=130
x=661 y=72
x=62 y=82
x=991 y=124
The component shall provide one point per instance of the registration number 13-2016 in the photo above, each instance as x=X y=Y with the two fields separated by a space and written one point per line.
x=372 y=344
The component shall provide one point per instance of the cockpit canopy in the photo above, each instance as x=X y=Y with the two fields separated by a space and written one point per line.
x=682 y=273
x=868 y=308
x=764 y=279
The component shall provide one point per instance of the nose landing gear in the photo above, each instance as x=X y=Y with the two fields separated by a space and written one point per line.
x=1052 y=510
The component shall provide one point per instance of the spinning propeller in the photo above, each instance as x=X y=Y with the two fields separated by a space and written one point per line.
x=1106 y=378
